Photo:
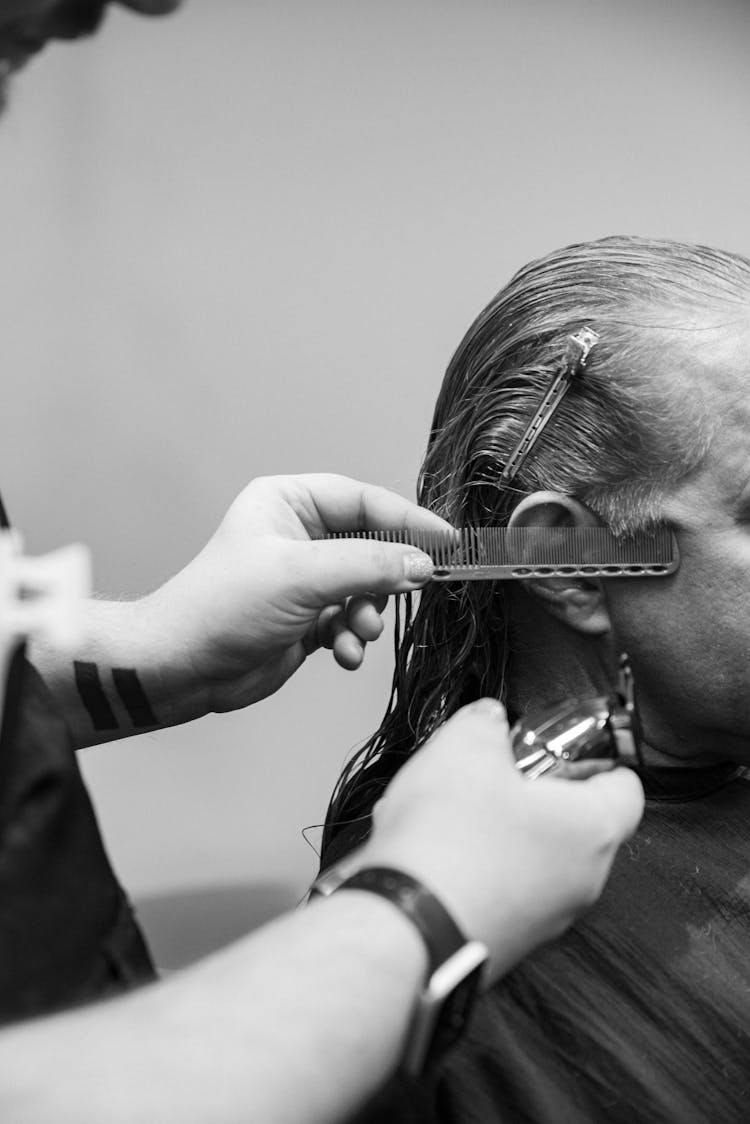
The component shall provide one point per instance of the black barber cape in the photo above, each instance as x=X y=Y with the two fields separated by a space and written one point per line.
x=638 y=1015
x=67 y=933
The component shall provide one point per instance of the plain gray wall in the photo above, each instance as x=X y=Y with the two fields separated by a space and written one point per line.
x=246 y=239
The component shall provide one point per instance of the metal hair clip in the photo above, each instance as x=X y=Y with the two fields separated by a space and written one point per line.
x=576 y=356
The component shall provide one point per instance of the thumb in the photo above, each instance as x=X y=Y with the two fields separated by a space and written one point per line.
x=338 y=568
x=619 y=798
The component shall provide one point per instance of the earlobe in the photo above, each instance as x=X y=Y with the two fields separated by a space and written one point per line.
x=577 y=602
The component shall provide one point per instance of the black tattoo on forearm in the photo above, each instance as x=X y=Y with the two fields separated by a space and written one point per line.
x=92 y=695
x=133 y=697
x=128 y=687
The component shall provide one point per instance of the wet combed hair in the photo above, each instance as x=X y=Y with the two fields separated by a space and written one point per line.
x=624 y=434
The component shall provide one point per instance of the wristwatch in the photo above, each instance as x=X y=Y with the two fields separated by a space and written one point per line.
x=455 y=964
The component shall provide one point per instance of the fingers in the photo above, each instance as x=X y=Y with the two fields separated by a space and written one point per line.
x=363 y=616
x=483 y=723
x=485 y=716
x=479 y=727
x=343 y=504
x=619 y=797
x=299 y=511
x=336 y=569
x=462 y=767
x=612 y=800
x=348 y=650
x=348 y=629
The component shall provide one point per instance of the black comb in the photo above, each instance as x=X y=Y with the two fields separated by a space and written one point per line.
x=503 y=553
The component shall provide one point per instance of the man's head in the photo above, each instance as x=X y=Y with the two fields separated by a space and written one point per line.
x=653 y=431
x=627 y=432
x=27 y=25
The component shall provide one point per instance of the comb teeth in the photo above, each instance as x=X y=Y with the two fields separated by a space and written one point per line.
x=502 y=553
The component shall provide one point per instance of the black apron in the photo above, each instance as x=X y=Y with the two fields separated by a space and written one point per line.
x=67 y=931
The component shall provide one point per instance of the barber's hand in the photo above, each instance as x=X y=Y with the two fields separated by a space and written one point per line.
x=513 y=860
x=262 y=595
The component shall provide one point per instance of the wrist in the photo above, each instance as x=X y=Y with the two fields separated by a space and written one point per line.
x=379 y=932
x=455 y=966
x=446 y=877
x=167 y=662
x=479 y=890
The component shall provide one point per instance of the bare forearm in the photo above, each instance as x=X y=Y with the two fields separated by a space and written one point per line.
x=295 y=1025
x=301 y=1022
x=124 y=679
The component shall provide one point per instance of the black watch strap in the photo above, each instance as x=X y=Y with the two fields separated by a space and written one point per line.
x=440 y=933
x=455 y=967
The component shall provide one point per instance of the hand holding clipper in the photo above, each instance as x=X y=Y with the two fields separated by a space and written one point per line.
x=576 y=737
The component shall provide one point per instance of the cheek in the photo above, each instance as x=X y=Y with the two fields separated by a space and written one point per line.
x=651 y=619
x=689 y=645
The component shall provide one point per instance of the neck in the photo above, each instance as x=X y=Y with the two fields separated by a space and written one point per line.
x=552 y=662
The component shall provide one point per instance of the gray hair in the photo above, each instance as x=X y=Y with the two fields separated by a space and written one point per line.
x=622 y=435
x=626 y=431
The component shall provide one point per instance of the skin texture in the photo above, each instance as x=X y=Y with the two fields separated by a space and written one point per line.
x=688 y=635
x=332 y=987
x=690 y=641
x=298 y=1023
x=329 y=1009
x=260 y=598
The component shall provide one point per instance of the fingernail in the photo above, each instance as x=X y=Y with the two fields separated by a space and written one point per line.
x=492 y=708
x=418 y=567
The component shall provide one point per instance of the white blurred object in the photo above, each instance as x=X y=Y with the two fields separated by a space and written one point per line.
x=43 y=596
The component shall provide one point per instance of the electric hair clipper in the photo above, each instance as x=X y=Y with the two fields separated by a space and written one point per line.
x=573 y=737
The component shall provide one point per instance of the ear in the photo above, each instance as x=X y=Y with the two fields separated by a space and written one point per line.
x=577 y=602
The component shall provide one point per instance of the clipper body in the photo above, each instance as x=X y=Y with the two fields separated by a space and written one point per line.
x=571 y=736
